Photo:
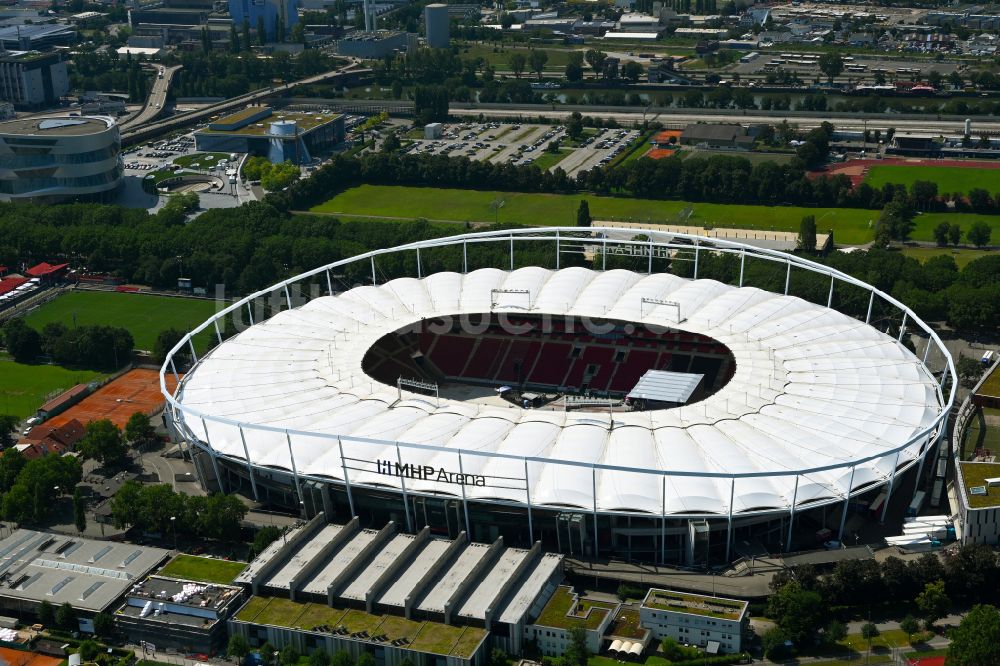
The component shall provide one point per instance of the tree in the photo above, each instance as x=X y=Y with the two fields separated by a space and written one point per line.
x=632 y=71
x=79 y=511
x=831 y=64
x=976 y=640
x=506 y=21
x=954 y=234
x=265 y=537
x=138 y=430
x=169 y=337
x=576 y=653
x=246 y=34
x=104 y=625
x=103 y=442
x=910 y=625
x=835 y=631
x=498 y=657
x=280 y=176
x=319 y=658
x=234 y=39
x=66 y=617
x=574 y=125
x=89 y=649
x=46 y=615
x=933 y=602
x=517 y=63
x=391 y=143
x=869 y=631
x=773 y=641
x=23 y=342
x=8 y=426
x=574 y=68
x=289 y=655
x=365 y=659
x=238 y=647
x=341 y=658
x=595 y=59
x=538 y=58
x=799 y=612
x=583 y=214
x=924 y=192
x=941 y=234
x=979 y=234
x=806 y=241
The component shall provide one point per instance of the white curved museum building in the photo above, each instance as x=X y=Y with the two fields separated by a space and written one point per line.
x=60 y=159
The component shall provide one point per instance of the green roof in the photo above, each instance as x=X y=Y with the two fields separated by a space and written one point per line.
x=423 y=636
x=203 y=569
x=565 y=610
x=248 y=112
x=305 y=121
x=975 y=474
x=695 y=604
x=626 y=625
x=991 y=386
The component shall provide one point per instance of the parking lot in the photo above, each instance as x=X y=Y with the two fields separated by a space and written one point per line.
x=523 y=144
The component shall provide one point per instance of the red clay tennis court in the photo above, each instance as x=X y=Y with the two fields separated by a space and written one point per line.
x=22 y=658
x=136 y=391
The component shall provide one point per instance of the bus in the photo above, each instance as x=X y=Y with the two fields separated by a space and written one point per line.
x=875 y=508
x=917 y=503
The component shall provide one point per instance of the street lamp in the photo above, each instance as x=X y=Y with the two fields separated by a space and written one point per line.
x=173 y=528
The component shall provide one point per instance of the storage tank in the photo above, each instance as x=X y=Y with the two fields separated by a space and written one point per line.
x=436 y=26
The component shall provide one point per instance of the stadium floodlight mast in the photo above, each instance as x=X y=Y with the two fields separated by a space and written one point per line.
x=659 y=301
x=822 y=432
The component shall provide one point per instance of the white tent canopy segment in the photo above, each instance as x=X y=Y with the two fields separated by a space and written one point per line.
x=819 y=401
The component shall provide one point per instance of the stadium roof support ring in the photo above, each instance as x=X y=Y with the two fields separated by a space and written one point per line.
x=822 y=406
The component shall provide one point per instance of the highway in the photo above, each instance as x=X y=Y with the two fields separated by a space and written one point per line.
x=155 y=102
x=677 y=118
x=135 y=133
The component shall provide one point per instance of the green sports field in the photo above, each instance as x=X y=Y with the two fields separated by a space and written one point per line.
x=24 y=388
x=851 y=226
x=143 y=315
x=948 y=179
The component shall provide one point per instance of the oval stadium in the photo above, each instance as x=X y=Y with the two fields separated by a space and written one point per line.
x=622 y=412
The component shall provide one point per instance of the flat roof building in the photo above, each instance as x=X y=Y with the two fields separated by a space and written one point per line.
x=176 y=613
x=696 y=619
x=60 y=158
x=278 y=135
x=30 y=79
x=456 y=588
x=89 y=575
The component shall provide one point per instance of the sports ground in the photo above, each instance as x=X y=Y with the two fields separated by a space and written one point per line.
x=137 y=390
x=24 y=388
x=851 y=226
x=949 y=179
x=143 y=315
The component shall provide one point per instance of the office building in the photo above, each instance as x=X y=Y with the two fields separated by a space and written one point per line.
x=270 y=11
x=29 y=79
x=695 y=619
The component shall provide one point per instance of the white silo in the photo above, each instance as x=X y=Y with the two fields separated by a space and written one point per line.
x=436 y=26
x=968 y=126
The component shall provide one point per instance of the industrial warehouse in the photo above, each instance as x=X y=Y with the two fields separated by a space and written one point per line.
x=343 y=403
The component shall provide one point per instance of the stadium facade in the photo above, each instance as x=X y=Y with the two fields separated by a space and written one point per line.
x=799 y=409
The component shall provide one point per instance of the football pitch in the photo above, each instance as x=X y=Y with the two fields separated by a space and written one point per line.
x=948 y=179
x=144 y=316
x=850 y=226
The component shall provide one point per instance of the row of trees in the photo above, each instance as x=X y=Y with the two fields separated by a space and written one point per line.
x=803 y=601
x=97 y=347
x=157 y=508
x=30 y=487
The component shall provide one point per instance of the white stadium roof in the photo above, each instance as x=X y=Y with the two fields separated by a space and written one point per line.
x=812 y=388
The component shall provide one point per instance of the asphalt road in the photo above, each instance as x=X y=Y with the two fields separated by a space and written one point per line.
x=156 y=100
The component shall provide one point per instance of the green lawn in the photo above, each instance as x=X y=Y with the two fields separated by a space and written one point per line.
x=962 y=256
x=200 y=160
x=24 y=388
x=143 y=315
x=851 y=226
x=924 y=224
x=948 y=179
x=548 y=160
x=203 y=569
